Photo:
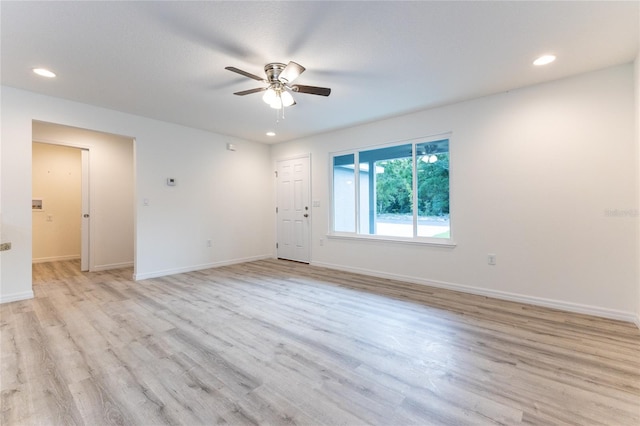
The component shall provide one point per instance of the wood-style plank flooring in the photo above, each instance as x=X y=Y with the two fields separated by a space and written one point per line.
x=276 y=342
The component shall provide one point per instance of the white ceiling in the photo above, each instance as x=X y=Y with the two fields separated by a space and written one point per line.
x=165 y=60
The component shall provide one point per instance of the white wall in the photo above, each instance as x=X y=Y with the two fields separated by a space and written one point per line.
x=216 y=197
x=537 y=176
x=57 y=180
x=111 y=182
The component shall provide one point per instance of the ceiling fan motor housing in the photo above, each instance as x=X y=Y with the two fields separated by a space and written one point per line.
x=273 y=71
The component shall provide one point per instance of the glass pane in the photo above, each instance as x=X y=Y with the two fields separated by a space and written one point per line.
x=344 y=193
x=432 y=161
x=386 y=191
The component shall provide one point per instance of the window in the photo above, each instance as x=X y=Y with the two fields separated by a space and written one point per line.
x=396 y=192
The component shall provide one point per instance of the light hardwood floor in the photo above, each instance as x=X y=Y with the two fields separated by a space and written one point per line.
x=276 y=342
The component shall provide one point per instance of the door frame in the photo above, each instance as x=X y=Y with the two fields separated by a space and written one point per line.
x=309 y=174
x=85 y=231
x=85 y=200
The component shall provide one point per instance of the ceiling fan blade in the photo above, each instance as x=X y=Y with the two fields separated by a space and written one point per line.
x=250 y=91
x=246 y=74
x=313 y=90
x=291 y=72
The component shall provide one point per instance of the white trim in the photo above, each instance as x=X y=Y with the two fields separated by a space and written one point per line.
x=293 y=157
x=85 y=207
x=134 y=143
x=60 y=142
x=112 y=266
x=421 y=241
x=55 y=258
x=165 y=272
x=16 y=297
x=419 y=139
x=497 y=294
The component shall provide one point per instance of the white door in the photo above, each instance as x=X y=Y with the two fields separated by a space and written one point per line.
x=84 y=227
x=293 y=209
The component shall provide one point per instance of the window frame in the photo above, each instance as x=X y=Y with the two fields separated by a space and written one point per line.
x=415 y=239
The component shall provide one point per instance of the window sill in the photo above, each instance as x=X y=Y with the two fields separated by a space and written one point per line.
x=435 y=242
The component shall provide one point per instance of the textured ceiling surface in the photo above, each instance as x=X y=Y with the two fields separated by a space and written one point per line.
x=165 y=60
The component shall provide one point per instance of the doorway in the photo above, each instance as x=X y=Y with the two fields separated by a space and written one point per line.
x=104 y=224
x=60 y=203
x=293 y=209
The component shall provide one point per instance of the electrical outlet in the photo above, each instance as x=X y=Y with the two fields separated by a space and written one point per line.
x=491 y=259
x=321 y=241
x=209 y=243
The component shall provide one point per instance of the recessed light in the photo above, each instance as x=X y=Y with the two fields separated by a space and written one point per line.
x=544 y=60
x=271 y=133
x=43 y=72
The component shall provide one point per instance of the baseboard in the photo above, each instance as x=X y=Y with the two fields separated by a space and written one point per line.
x=112 y=266
x=165 y=272
x=513 y=297
x=55 y=258
x=7 y=298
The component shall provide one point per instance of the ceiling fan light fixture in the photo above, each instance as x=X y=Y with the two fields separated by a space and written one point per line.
x=276 y=103
x=429 y=158
x=269 y=96
x=287 y=99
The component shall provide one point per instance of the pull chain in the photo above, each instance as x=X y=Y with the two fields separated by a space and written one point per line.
x=280 y=111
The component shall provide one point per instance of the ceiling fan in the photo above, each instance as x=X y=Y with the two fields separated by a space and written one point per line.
x=279 y=79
